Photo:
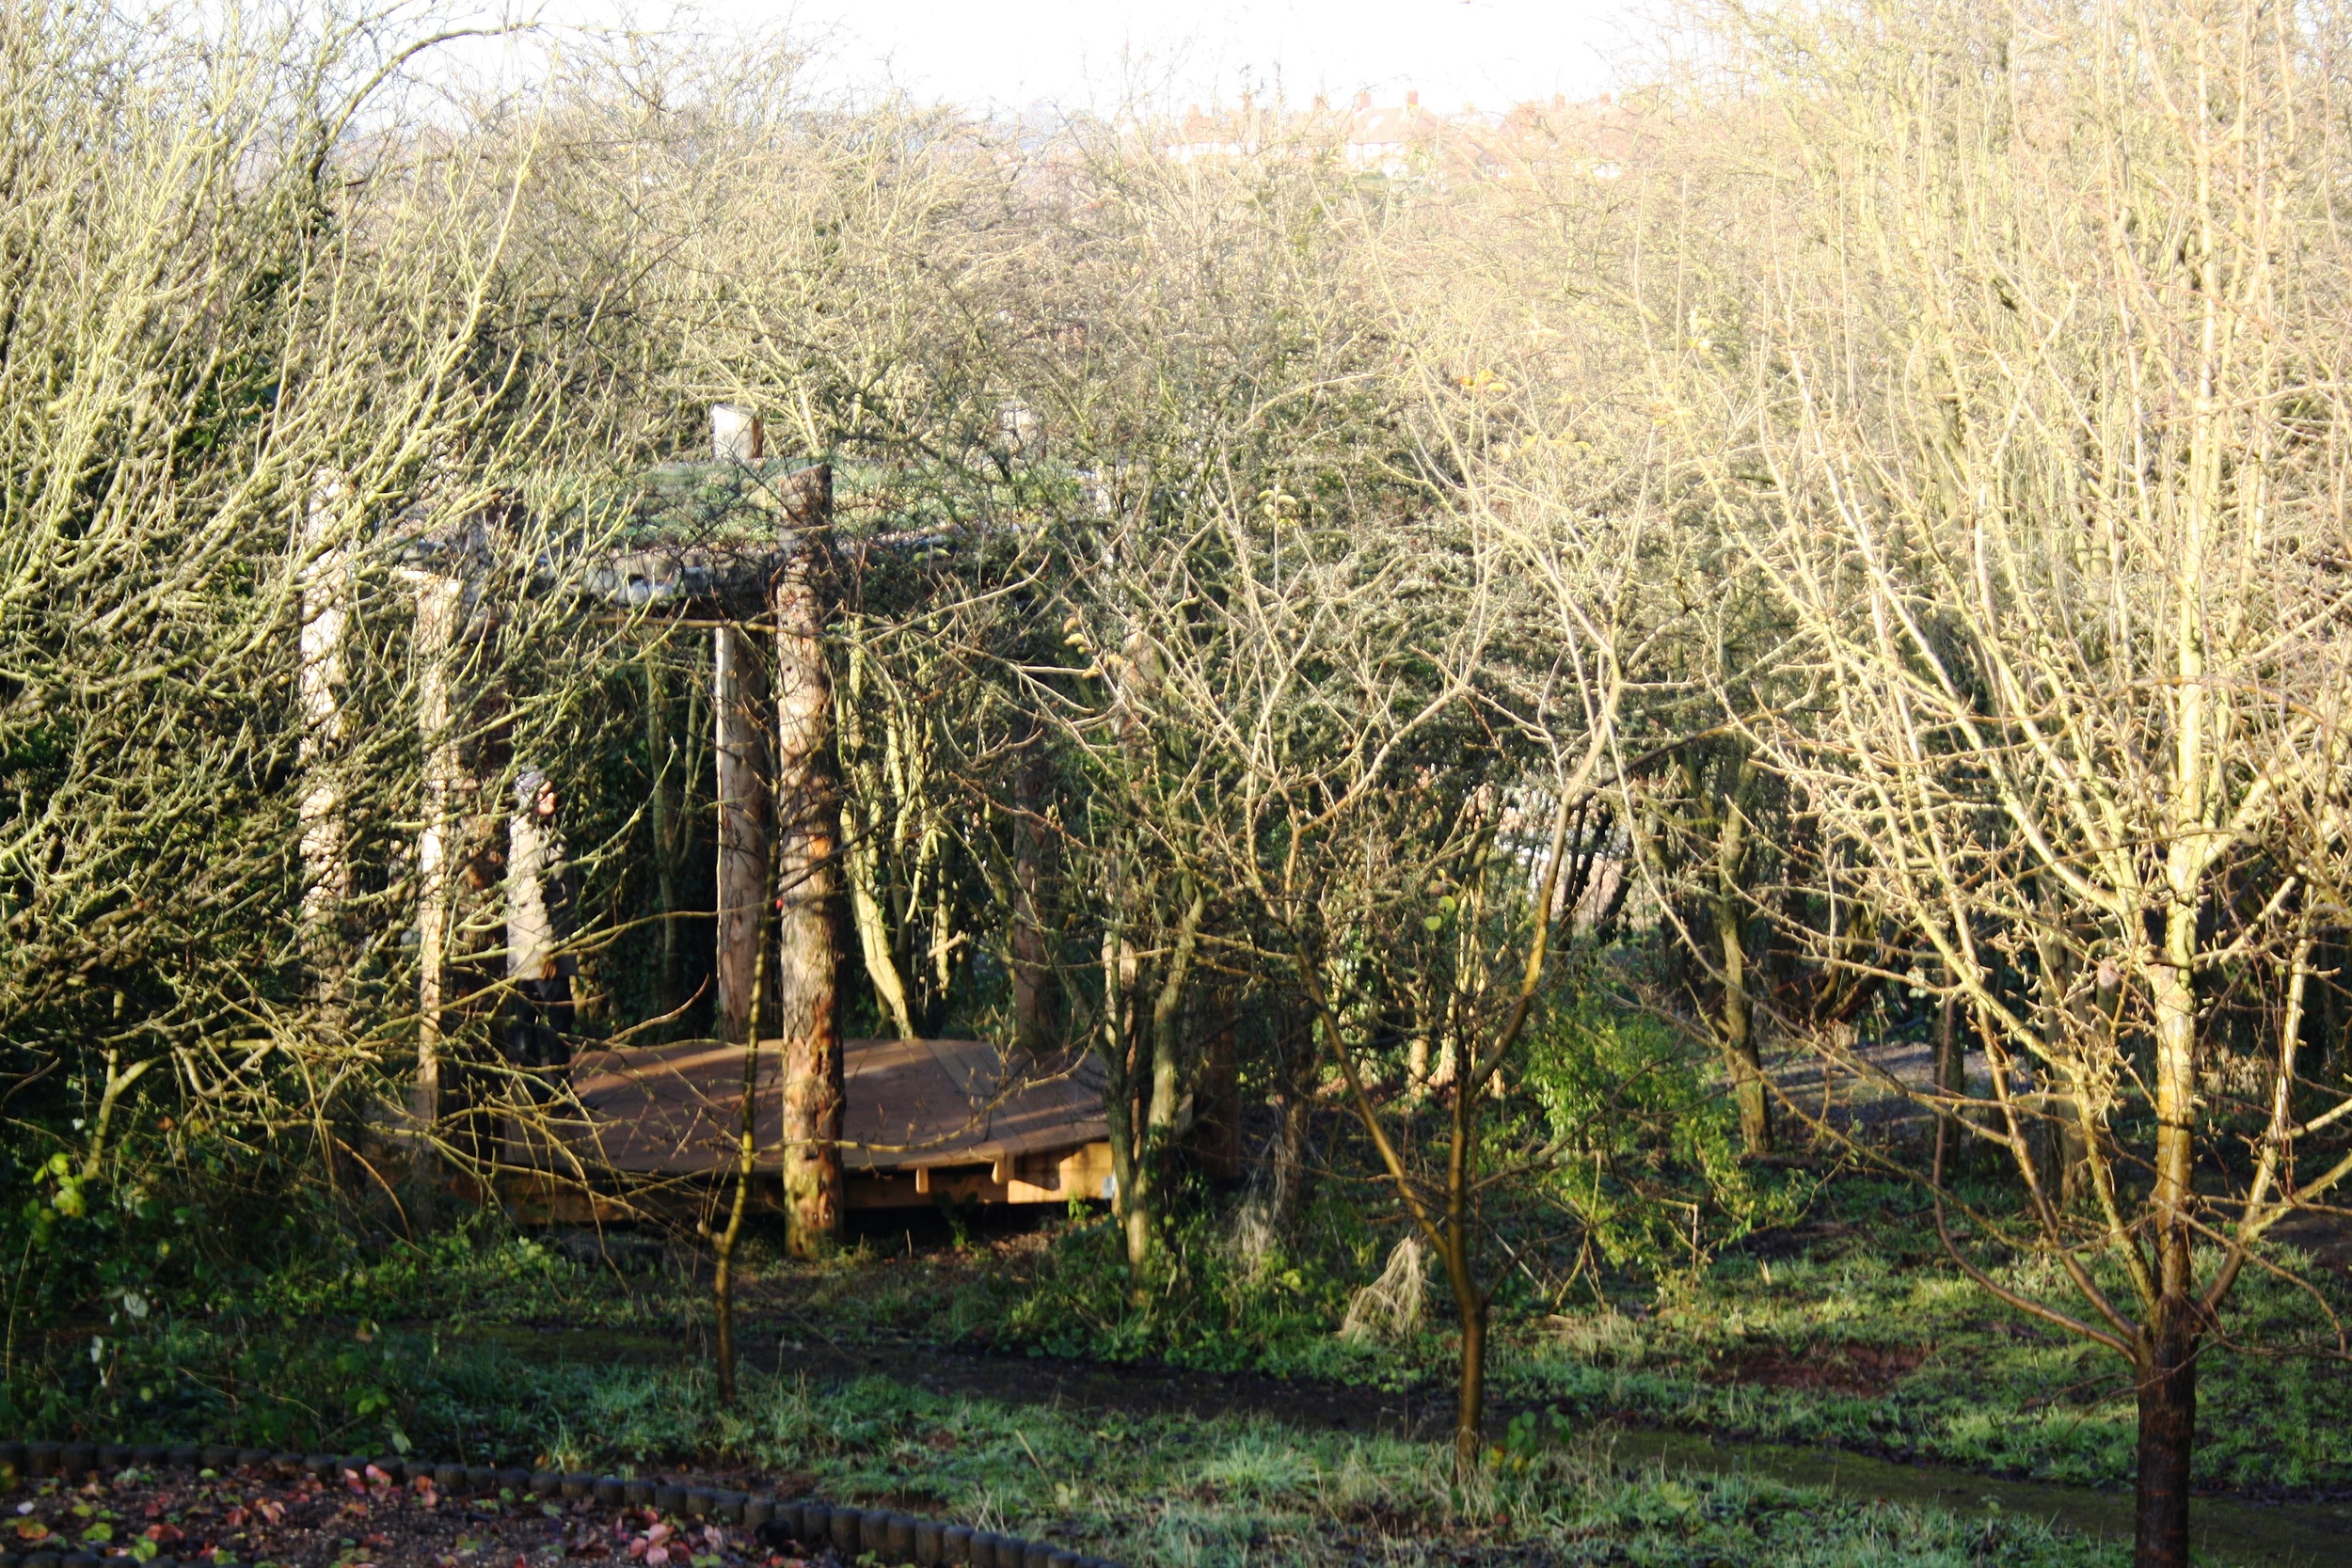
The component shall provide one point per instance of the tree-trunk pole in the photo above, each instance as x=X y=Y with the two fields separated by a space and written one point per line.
x=808 y=886
x=738 y=703
x=531 y=939
x=746 y=1164
x=437 y=604
x=326 y=618
x=540 y=1005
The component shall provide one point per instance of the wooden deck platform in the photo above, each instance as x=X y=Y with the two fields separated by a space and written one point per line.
x=921 y=1119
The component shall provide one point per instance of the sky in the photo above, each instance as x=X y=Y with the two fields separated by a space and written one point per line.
x=1093 y=54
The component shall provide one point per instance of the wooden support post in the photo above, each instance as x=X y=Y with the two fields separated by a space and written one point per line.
x=538 y=1012
x=322 y=563
x=737 y=434
x=438 y=605
x=739 y=703
x=530 y=934
x=808 y=924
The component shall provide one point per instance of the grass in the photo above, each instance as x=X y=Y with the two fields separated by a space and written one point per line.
x=1860 y=1337
x=1866 y=1339
x=1863 y=1337
x=1171 y=1490
x=1933 y=1367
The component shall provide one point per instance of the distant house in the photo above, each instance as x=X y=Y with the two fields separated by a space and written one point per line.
x=1409 y=141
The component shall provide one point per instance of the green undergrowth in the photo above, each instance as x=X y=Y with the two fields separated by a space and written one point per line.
x=1861 y=1354
x=1868 y=1337
x=1855 y=1332
x=1171 y=1490
x=481 y=1271
x=1066 y=1293
x=1860 y=1334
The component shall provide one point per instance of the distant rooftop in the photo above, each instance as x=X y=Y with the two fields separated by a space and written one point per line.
x=1405 y=139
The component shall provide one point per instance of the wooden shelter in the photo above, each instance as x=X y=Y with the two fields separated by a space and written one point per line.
x=871 y=1123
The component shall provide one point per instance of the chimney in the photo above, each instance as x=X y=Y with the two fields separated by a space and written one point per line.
x=1560 y=101
x=1364 y=100
x=1412 y=100
x=735 y=435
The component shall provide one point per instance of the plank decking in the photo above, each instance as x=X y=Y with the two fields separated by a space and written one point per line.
x=920 y=1118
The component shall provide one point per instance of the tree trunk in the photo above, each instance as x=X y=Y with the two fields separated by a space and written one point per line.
x=2167 y=1373
x=862 y=814
x=531 y=935
x=1118 y=1115
x=1738 y=1024
x=1215 y=1136
x=737 y=697
x=1469 y=1411
x=1950 y=1062
x=1470 y=1302
x=873 y=929
x=2166 y=1368
x=1118 y=1088
x=808 y=923
x=1291 y=1103
x=1168 y=1079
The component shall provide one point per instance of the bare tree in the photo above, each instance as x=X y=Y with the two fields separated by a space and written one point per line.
x=2038 y=437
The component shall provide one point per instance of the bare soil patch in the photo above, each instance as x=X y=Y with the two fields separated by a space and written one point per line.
x=1863 y=1369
